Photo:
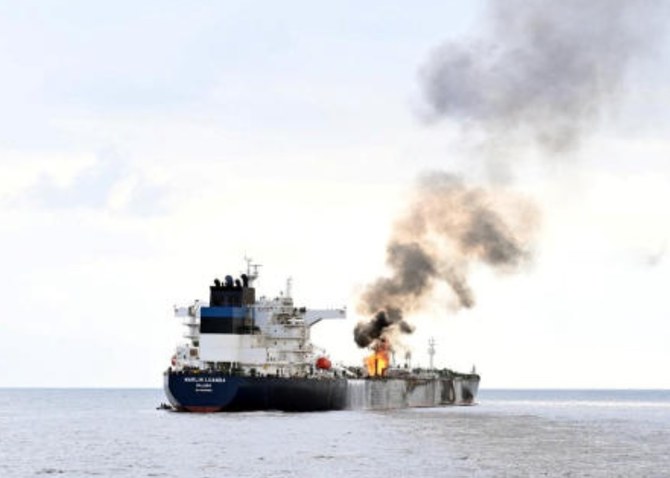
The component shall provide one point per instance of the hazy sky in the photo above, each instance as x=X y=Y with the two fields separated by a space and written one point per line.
x=146 y=148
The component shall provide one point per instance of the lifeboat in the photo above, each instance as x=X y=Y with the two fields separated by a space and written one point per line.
x=323 y=363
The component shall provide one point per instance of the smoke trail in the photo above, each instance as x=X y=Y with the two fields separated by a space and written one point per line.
x=542 y=71
x=448 y=226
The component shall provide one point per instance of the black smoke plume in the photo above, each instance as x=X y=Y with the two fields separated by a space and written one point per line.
x=367 y=332
x=448 y=227
x=540 y=73
x=542 y=70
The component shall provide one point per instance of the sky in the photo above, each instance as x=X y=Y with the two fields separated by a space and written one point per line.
x=146 y=149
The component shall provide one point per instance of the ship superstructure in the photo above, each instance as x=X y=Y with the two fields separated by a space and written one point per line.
x=247 y=354
x=234 y=333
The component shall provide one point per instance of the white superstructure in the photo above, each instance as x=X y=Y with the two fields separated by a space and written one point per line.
x=265 y=337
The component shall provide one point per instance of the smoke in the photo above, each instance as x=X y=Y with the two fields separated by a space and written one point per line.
x=541 y=71
x=448 y=227
x=366 y=332
x=541 y=74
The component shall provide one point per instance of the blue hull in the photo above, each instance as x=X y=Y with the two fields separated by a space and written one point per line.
x=208 y=392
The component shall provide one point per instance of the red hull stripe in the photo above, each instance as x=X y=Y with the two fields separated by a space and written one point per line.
x=196 y=409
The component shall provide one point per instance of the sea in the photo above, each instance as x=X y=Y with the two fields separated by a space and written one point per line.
x=509 y=433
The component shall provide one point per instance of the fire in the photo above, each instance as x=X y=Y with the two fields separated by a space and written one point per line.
x=378 y=362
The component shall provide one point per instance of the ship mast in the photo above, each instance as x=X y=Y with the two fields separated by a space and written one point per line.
x=289 y=284
x=431 y=351
x=252 y=270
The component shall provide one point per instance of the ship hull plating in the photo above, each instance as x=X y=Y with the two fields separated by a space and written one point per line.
x=212 y=392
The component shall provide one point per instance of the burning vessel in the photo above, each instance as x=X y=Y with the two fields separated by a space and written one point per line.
x=247 y=354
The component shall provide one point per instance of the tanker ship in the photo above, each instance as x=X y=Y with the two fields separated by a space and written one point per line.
x=244 y=354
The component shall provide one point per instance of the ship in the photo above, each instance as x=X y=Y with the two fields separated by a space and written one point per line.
x=248 y=354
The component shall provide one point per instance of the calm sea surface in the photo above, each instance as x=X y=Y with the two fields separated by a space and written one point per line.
x=119 y=433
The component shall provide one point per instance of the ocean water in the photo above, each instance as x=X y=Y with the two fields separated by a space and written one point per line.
x=119 y=433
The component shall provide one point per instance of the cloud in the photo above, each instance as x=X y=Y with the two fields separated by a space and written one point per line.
x=110 y=183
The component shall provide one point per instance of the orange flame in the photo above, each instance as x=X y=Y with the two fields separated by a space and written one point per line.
x=378 y=362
